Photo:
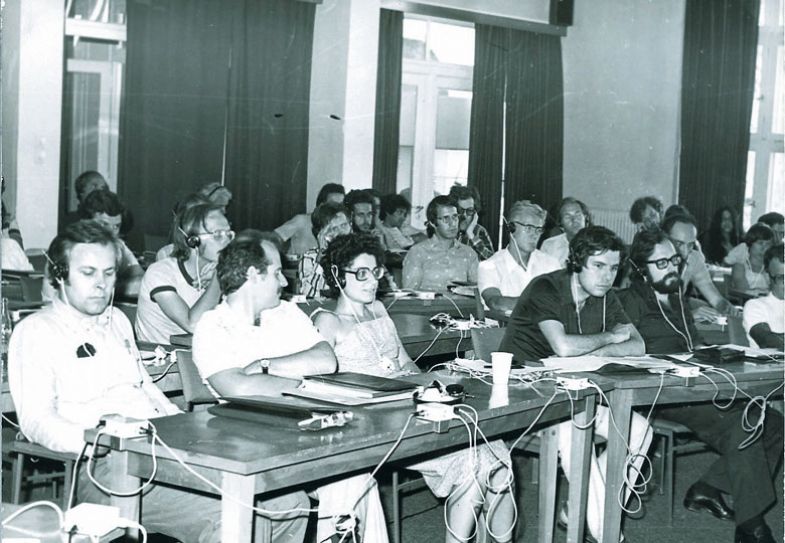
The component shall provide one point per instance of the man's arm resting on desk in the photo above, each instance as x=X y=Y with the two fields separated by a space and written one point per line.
x=765 y=338
x=633 y=346
x=494 y=300
x=236 y=382
x=564 y=344
x=318 y=359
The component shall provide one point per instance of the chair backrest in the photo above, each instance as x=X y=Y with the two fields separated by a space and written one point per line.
x=194 y=389
x=736 y=332
x=485 y=341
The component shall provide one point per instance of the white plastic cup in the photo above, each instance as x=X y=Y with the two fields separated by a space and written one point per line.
x=500 y=367
x=499 y=396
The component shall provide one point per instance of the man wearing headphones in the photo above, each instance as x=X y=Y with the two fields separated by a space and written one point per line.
x=471 y=233
x=655 y=304
x=177 y=290
x=75 y=361
x=573 y=215
x=574 y=312
x=502 y=278
x=433 y=264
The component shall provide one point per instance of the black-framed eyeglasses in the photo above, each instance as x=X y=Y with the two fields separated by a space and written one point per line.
x=662 y=263
x=363 y=274
x=678 y=244
x=529 y=228
x=468 y=212
x=777 y=277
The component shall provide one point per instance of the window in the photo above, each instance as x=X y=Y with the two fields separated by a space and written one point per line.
x=765 y=184
x=436 y=98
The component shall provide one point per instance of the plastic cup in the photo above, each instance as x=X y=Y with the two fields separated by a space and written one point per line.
x=500 y=367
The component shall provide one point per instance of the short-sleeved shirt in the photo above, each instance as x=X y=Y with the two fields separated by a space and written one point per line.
x=481 y=242
x=755 y=280
x=769 y=310
x=696 y=272
x=168 y=274
x=222 y=340
x=640 y=304
x=395 y=240
x=430 y=266
x=298 y=232
x=558 y=247
x=501 y=271
x=549 y=298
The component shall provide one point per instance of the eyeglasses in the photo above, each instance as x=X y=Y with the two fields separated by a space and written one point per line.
x=448 y=219
x=529 y=228
x=689 y=245
x=468 y=212
x=219 y=235
x=777 y=277
x=662 y=263
x=362 y=274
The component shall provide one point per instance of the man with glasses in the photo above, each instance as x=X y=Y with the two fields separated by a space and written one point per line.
x=682 y=230
x=467 y=202
x=655 y=305
x=573 y=216
x=176 y=291
x=764 y=318
x=433 y=264
x=502 y=278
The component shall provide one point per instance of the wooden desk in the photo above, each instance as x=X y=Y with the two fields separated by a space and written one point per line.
x=246 y=459
x=453 y=304
x=641 y=390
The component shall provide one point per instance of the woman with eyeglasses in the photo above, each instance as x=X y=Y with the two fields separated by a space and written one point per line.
x=176 y=291
x=365 y=341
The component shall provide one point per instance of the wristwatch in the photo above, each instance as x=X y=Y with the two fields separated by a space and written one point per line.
x=264 y=365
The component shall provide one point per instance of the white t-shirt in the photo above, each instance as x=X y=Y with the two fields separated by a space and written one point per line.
x=769 y=310
x=168 y=274
x=755 y=280
x=223 y=341
x=558 y=247
x=503 y=272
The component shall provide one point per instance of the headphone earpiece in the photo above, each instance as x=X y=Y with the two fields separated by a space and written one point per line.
x=572 y=263
x=640 y=271
x=341 y=281
x=191 y=240
x=511 y=226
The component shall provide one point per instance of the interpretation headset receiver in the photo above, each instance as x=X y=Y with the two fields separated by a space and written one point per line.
x=57 y=270
x=191 y=240
x=341 y=281
x=511 y=226
x=572 y=262
x=639 y=271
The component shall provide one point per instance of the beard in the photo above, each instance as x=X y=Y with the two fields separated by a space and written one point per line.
x=668 y=284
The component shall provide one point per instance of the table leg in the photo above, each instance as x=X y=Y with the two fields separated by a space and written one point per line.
x=621 y=411
x=237 y=519
x=579 y=477
x=123 y=482
x=549 y=465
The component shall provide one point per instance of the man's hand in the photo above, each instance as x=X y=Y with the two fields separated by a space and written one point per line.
x=705 y=313
x=727 y=308
x=621 y=333
x=207 y=272
x=470 y=230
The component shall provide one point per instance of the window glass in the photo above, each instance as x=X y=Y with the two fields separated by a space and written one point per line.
x=779 y=95
x=415 y=32
x=776 y=182
x=449 y=167
x=451 y=44
x=757 y=96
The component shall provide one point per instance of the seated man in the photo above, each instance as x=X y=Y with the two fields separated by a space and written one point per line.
x=394 y=214
x=764 y=318
x=255 y=344
x=574 y=312
x=646 y=213
x=76 y=360
x=573 y=215
x=104 y=206
x=502 y=278
x=433 y=264
x=776 y=222
x=682 y=230
x=86 y=183
x=748 y=271
x=297 y=230
x=656 y=306
x=177 y=290
x=467 y=201
x=328 y=220
x=360 y=204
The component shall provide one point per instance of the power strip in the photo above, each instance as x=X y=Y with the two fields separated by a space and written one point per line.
x=685 y=371
x=124 y=427
x=435 y=412
x=573 y=383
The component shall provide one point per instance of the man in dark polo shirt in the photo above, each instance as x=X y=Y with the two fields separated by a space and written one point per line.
x=574 y=312
x=655 y=305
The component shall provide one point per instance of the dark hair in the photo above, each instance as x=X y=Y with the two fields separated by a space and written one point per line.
x=323 y=214
x=433 y=209
x=101 y=201
x=640 y=205
x=641 y=250
x=673 y=218
x=234 y=261
x=772 y=218
x=775 y=251
x=590 y=241
x=188 y=223
x=258 y=236
x=374 y=193
x=392 y=203
x=84 y=231
x=208 y=191
x=460 y=192
x=570 y=200
x=679 y=210
x=327 y=190
x=711 y=241
x=758 y=232
x=357 y=196
x=84 y=179
x=342 y=251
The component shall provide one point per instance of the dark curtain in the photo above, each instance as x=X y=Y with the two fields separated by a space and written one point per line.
x=718 y=81
x=388 y=101
x=171 y=127
x=486 y=138
x=269 y=90
x=535 y=120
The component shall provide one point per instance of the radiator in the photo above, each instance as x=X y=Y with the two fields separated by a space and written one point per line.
x=618 y=221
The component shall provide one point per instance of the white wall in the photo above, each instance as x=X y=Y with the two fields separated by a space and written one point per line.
x=622 y=81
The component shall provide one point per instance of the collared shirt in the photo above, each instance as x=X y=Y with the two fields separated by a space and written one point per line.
x=310 y=275
x=395 y=240
x=222 y=340
x=549 y=297
x=640 y=304
x=481 y=242
x=755 y=280
x=768 y=310
x=558 y=247
x=60 y=389
x=696 y=272
x=298 y=232
x=168 y=274
x=431 y=266
x=502 y=271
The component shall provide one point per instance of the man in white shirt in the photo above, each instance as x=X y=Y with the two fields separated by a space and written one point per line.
x=253 y=343
x=573 y=216
x=502 y=277
x=764 y=318
x=76 y=361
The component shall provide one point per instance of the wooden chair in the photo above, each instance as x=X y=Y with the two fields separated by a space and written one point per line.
x=20 y=449
x=194 y=389
x=485 y=341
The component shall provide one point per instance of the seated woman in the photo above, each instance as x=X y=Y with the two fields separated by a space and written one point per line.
x=722 y=236
x=329 y=220
x=176 y=291
x=365 y=341
x=746 y=259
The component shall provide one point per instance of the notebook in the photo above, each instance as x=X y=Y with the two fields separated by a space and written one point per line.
x=347 y=388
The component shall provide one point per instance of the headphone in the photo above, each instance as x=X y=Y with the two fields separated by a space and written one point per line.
x=58 y=271
x=510 y=226
x=573 y=264
x=193 y=241
x=339 y=280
